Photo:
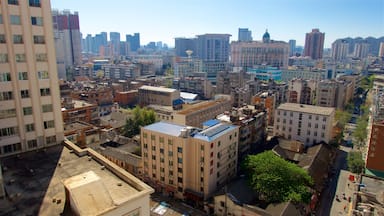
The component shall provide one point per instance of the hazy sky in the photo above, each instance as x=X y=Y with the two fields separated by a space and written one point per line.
x=164 y=20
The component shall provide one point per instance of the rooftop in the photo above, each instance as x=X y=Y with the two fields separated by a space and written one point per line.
x=35 y=181
x=214 y=132
x=165 y=128
x=307 y=108
x=161 y=89
x=198 y=106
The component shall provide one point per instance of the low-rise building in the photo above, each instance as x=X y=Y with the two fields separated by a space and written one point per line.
x=78 y=110
x=157 y=96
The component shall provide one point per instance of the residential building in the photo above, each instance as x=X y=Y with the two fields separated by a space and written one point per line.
x=381 y=49
x=196 y=85
x=126 y=98
x=30 y=116
x=240 y=96
x=334 y=93
x=158 y=96
x=187 y=162
x=66 y=29
x=303 y=73
x=228 y=80
x=265 y=100
x=292 y=47
x=81 y=133
x=99 y=95
x=265 y=73
x=244 y=35
x=305 y=123
x=314 y=44
x=134 y=41
x=78 y=110
x=361 y=50
x=71 y=181
x=184 y=67
x=184 y=44
x=302 y=91
x=114 y=38
x=250 y=54
x=340 y=50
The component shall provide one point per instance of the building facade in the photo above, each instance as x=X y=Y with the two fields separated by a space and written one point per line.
x=305 y=123
x=184 y=44
x=314 y=44
x=187 y=162
x=67 y=35
x=340 y=50
x=244 y=35
x=30 y=116
x=157 y=96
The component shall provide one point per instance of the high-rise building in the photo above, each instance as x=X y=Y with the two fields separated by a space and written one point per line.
x=30 y=110
x=292 y=47
x=213 y=47
x=245 y=34
x=114 y=38
x=314 y=44
x=361 y=50
x=134 y=41
x=340 y=50
x=381 y=49
x=67 y=39
x=184 y=44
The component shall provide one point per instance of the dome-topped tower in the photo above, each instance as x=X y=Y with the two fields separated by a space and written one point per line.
x=266 y=37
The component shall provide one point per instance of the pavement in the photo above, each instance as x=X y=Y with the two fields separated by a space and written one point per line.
x=344 y=193
x=162 y=205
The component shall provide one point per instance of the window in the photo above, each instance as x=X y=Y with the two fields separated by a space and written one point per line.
x=180 y=170
x=50 y=140
x=170 y=153
x=49 y=124
x=153 y=157
x=3 y=58
x=1 y=19
x=179 y=160
x=18 y=39
x=161 y=139
x=153 y=137
x=23 y=76
x=24 y=93
x=13 y=2
x=27 y=110
x=6 y=96
x=20 y=58
x=15 y=20
x=47 y=108
x=45 y=92
x=161 y=151
x=41 y=57
x=38 y=39
x=8 y=131
x=170 y=163
x=179 y=149
x=180 y=180
x=2 y=38
x=170 y=181
x=12 y=148
x=8 y=113
x=34 y=3
x=5 y=77
x=180 y=189
x=32 y=143
x=30 y=127
x=144 y=135
x=153 y=148
x=38 y=21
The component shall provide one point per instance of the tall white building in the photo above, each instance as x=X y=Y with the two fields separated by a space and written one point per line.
x=306 y=123
x=340 y=50
x=30 y=110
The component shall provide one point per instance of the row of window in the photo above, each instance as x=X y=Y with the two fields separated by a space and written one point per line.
x=40 y=57
x=300 y=115
x=28 y=128
x=18 y=39
x=24 y=94
x=16 y=20
x=31 y=144
x=32 y=3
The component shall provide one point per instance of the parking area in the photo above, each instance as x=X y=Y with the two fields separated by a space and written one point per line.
x=165 y=206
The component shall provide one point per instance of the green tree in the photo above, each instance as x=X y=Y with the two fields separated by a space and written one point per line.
x=277 y=180
x=141 y=117
x=360 y=132
x=342 y=117
x=355 y=162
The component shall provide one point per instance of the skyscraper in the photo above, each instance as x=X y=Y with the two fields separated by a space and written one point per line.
x=213 y=47
x=114 y=38
x=184 y=44
x=134 y=41
x=314 y=44
x=245 y=34
x=292 y=47
x=67 y=40
x=30 y=110
x=381 y=49
x=340 y=50
x=361 y=50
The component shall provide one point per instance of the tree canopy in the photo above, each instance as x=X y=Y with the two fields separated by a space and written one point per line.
x=277 y=180
x=141 y=117
x=355 y=162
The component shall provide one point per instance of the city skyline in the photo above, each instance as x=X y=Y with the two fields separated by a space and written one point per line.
x=285 y=20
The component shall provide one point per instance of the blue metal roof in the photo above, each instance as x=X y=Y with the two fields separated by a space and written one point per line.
x=214 y=132
x=211 y=122
x=166 y=128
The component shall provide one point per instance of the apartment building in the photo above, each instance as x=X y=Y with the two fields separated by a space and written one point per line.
x=305 y=123
x=157 y=95
x=334 y=93
x=302 y=91
x=188 y=162
x=30 y=116
x=265 y=101
x=77 y=110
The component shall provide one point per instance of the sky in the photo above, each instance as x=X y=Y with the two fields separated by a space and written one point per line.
x=165 y=20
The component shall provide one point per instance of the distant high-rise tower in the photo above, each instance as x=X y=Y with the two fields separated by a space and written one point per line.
x=314 y=44
x=67 y=40
x=30 y=109
x=340 y=50
x=213 y=47
x=134 y=41
x=361 y=50
x=244 y=34
x=114 y=38
x=381 y=49
x=184 y=44
x=292 y=47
